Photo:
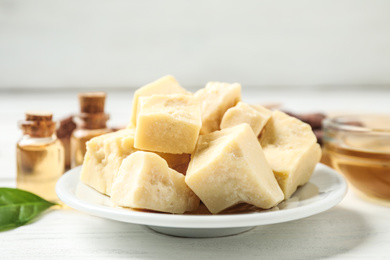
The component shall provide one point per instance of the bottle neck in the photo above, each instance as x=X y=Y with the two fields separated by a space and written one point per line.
x=91 y=121
x=28 y=140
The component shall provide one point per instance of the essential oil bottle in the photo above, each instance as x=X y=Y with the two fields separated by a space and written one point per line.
x=39 y=155
x=91 y=122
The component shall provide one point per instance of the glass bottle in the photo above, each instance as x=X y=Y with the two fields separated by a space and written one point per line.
x=91 y=122
x=39 y=155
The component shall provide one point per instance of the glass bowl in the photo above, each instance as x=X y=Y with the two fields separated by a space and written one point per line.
x=358 y=146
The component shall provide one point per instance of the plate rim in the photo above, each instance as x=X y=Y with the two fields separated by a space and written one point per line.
x=200 y=221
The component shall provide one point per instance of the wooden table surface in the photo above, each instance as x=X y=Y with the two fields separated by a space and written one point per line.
x=354 y=229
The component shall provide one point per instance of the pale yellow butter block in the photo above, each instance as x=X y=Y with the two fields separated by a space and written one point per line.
x=163 y=86
x=168 y=124
x=255 y=116
x=291 y=149
x=103 y=158
x=145 y=181
x=105 y=154
x=228 y=167
x=215 y=99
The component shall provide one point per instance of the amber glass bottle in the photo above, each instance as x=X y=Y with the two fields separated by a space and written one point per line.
x=39 y=155
x=91 y=122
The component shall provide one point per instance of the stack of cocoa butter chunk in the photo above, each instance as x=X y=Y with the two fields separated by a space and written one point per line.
x=181 y=149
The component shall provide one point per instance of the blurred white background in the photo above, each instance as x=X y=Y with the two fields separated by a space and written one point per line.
x=127 y=43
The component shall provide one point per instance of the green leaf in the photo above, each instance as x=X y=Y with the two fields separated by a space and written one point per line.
x=18 y=207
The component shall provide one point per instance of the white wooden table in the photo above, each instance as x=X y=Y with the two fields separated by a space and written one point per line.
x=354 y=229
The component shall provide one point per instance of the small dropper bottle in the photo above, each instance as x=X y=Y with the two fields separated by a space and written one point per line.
x=91 y=122
x=39 y=155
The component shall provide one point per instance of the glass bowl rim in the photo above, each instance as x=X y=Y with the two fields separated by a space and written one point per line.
x=338 y=122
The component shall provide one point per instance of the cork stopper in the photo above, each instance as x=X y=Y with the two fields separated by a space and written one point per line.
x=39 y=116
x=38 y=124
x=92 y=102
x=92 y=114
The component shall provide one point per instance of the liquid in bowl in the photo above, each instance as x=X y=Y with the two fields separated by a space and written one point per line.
x=358 y=146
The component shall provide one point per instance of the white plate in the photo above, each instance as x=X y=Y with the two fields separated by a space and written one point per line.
x=325 y=189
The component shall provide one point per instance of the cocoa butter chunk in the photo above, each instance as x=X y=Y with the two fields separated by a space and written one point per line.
x=215 y=99
x=168 y=123
x=105 y=154
x=145 y=181
x=103 y=158
x=255 y=116
x=163 y=86
x=228 y=167
x=291 y=149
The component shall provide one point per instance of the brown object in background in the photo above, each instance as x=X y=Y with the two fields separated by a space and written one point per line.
x=319 y=135
x=64 y=132
x=314 y=120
